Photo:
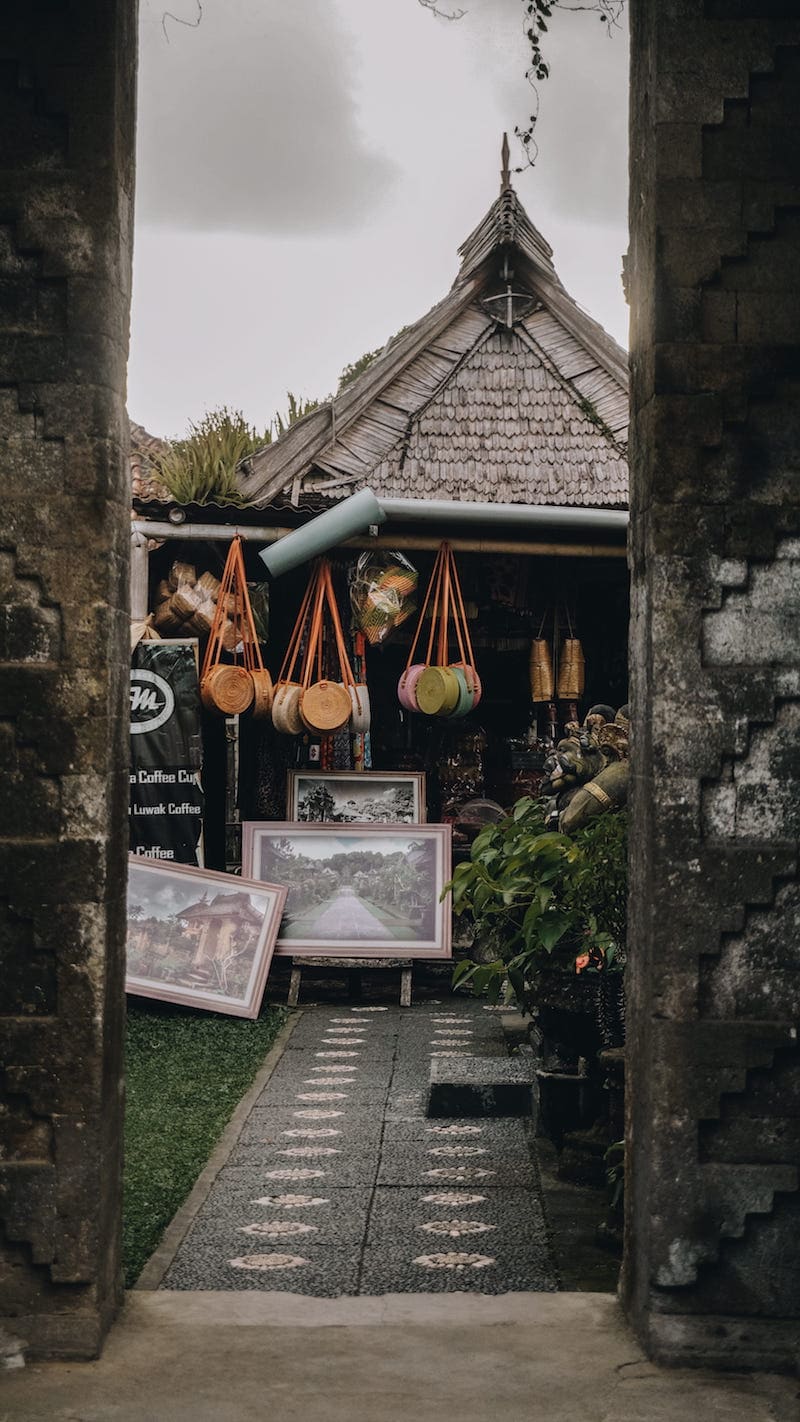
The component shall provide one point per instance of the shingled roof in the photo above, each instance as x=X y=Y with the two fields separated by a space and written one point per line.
x=469 y=407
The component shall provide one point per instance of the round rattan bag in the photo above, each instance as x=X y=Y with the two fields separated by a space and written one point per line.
x=325 y=706
x=227 y=690
x=359 y=701
x=286 y=708
x=406 y=686
x=263 y=694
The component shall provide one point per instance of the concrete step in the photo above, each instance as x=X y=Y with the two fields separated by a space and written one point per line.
x=482 y=1086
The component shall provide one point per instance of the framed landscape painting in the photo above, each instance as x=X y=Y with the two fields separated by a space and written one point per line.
x=200 y=938
x=356 y=891
x=367 y=797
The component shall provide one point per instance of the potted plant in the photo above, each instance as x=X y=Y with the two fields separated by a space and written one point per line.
x=549 y=912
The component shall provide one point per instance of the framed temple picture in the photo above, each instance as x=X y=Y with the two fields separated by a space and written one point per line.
x=200 y=938
x=356 y=891
x=346 y=797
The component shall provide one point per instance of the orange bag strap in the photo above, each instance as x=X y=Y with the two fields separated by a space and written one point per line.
x=295 y=641
x=433 y=582
x=252 y=651
x=213 y=652
x=467 y=639
x=445 y=613
x=437 y=602
x=344 y=660
x=314 y=633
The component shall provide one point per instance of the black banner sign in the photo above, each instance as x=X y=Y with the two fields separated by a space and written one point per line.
x=166 y=799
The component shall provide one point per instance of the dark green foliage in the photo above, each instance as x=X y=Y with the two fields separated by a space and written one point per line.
x=539 y=898
x=185 y=1074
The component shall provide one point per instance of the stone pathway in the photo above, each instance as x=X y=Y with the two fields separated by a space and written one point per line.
x=339 y=1184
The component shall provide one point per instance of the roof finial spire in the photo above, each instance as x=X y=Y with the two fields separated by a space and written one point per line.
x=505 y=172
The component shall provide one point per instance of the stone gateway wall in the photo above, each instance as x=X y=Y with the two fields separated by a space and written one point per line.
x=66 y=190
x=712 y=1267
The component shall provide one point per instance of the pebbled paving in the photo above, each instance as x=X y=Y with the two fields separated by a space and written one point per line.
x=339 y=1184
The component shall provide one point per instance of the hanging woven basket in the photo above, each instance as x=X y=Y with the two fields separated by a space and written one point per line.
x=286 y=708
x=541 y=671
x=230 y=690
x=325 y=706
x=263 y=694
x=434 y=687
x=571 y=670
x=360 y=717
x=438 y=691
x=227 y=690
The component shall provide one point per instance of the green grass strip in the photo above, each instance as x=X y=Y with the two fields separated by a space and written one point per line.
x=186 y=1072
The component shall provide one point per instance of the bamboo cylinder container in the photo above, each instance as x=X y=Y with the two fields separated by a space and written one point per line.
x=541 y=671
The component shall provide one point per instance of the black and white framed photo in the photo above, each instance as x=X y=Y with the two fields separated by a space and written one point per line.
x=356 y=891
x=345 y=797
x=200 y=938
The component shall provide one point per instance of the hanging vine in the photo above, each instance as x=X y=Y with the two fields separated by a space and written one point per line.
x=537 y=14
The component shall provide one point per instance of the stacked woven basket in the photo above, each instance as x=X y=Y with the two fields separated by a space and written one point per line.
x=437 y=686
x=305 y=700
x=186 y=604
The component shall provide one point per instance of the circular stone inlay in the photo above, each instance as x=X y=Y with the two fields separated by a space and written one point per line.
x=278 y=1229
x=345 y=1031
x=457 y=1150
x=321 y=1096
x=306 y=1131
x=458 y=1172
x=449 y=1054
x=452 y=1197
x=311 y=1113
x=267 y=1261
x=295 y=1173
x=309 y=1150
x=456 y=1130
x=454 y=1261
x=337 y=1054
x=330 y=1080
x=455 y=1228
x=293 y=1202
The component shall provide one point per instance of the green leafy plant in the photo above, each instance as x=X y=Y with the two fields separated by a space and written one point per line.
x=201 y=468
x=543 y=900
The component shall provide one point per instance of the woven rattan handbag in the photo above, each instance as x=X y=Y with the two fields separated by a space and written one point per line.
x=437 y=687
x=225 y=688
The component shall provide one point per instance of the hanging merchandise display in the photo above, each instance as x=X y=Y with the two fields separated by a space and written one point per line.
x=229 y=689
x=571 y=666
x=312 y=701
x=438 y=687
x=541 y=669
x=382 y=594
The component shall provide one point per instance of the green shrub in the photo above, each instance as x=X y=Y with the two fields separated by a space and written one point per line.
x=540 y=899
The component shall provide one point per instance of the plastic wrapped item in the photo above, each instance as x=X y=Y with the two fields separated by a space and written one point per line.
x=382 y=594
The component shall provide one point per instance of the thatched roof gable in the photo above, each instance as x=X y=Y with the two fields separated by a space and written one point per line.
x=461 y=407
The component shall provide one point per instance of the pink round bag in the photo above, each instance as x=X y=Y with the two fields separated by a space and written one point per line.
x=407 y=685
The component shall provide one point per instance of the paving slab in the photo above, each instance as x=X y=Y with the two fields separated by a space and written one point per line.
x=286 y=1266
x=335 y=1156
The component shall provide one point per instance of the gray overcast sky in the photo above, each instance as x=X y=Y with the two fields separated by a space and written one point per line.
x=308 y=168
